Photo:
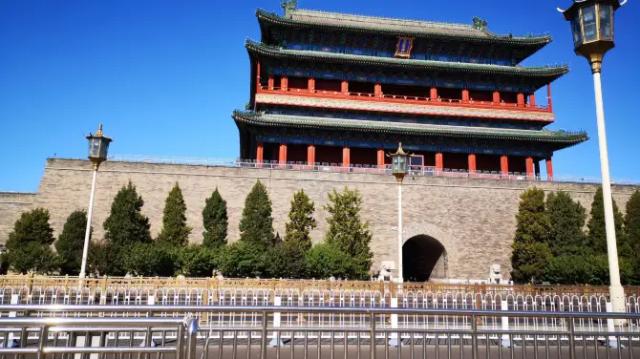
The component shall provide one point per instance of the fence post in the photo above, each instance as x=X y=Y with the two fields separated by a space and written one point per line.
x=611 y=327
x=372 y=335
x=394 y=340
x=263 y=339
x=505 y=341
x=44 y=334
x=276 y=339
x=572 y=339
x=474 y=337
x=179 y=341
x=192 y=337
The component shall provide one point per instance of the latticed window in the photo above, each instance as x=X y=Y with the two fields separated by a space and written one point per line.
x=404 y=47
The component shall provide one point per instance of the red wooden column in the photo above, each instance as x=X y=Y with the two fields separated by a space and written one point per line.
x=549 y=162
x=465 y=95
x=520 y=99
x=504 y=165
x=259 y=153
x=284 y=83
x=471 y=159
x=311 y=155
x=433 y=93
x=270 y=82
x=258 y=85
x=311 y=84
x=529 y=167
x=549 y=100
x=282 y=154
x=439 y=161
x=344 y=87
x=377 y=90
x=380 y=158
x=496 y=97
x=532 y=100
x=346 y=156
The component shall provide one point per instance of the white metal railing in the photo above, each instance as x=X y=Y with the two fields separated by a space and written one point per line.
x=370 y=169
x=339 y=168
x=303 y=331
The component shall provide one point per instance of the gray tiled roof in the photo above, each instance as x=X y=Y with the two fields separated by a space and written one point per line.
x=541 y=71
x=395 y=26
x=406 y=128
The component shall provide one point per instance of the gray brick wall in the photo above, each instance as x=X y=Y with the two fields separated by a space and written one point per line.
x=474 y=219
x=11 y=205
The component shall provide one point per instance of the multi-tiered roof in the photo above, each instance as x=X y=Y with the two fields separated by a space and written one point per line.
x=366 y=83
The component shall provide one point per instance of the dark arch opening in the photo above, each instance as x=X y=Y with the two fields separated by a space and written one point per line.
x=423 y=258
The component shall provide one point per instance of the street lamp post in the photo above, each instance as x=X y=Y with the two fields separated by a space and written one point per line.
x=399 y=169
x=592 y=27
x=98 y=148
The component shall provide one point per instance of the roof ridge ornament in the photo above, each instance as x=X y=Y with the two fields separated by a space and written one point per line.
x=288 y=6
x=480 y=23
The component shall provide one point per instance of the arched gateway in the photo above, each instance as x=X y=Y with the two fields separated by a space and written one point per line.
x=424 y=258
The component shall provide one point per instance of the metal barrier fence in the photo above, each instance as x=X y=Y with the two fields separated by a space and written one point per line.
x=59 y=337
x=438 y=298
x=323 y=332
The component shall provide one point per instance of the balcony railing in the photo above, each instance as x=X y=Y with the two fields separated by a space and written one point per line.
x=421 y=100
x=330 y=167
x=426 y=171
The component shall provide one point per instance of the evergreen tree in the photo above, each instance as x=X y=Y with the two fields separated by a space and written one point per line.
x=29 y=243
x=347 y=232
x=289 y=257
x=597 y=238
x=256 y=224
x=71 y=242
x=632 y=221
x=199 y=261
x=151 y=259
x=632 y=229
x=174 y=220
x=124 y=227
x=215 y=220
x=301 y=222
x=326 y=260
x=244 y=259
x=566 y=219
x=531 y=251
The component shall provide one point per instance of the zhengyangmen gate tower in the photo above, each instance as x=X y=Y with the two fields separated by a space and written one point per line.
x=337 y=89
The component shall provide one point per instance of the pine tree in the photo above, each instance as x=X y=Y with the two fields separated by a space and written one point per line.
x=215 y=221
x=566 y=219
x=531 y=251
x=301 y=222
x=325 y=260
x=347 y=231
x=632 y=229
x=289 y=256
x=597 y=237
x=71 y=242
x=632 y=221
x=126 y=224
x=29 y=243
x=256 y=224
x=124 y=227
x=174 y=220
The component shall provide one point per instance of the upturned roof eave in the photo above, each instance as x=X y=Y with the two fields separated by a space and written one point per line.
x=534 y=42
x=552 y=72
x=542 y=136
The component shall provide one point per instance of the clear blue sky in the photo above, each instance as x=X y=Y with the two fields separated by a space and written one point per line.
x=164 y=76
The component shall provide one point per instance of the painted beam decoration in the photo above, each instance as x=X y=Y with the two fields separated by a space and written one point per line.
x=404 y=47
